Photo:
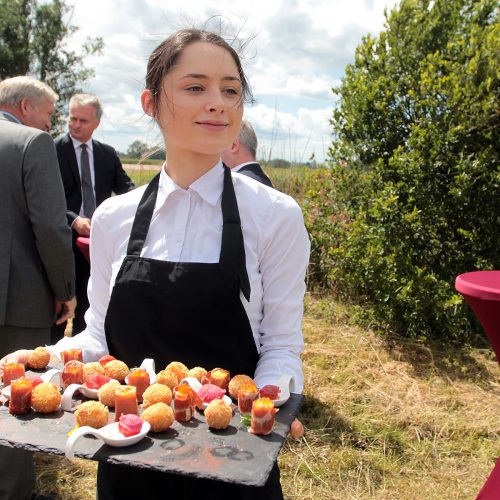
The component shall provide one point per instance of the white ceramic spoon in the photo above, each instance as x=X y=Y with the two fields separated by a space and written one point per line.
x=67 y=397
x=286 y=383
x=48 y=376
x=149 y=365
x=196 y=385
x=109 y=434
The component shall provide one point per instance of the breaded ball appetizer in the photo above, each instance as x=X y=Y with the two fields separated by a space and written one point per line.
x=218 y=414
x=235 y=384
x=160 y=416
x=156 y=393
x=46 y=398
x=92 y=413
x=197 y=372
x=106 y=393
x=167 y=377
x=92 y=369
x=180 y=369
x=116 y=369
x=39 y=358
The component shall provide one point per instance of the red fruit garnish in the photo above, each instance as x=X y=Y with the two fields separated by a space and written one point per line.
x=209 y=392
x=270 y=391
x=129 y=425
x=35 y=381
x=96 y=380
x=106 y=359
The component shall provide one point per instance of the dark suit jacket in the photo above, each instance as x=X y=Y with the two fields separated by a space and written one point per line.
x=36 y=259
x=109 y=174
x=255 y=171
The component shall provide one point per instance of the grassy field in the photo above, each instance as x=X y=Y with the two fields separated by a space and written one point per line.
x=385 y=419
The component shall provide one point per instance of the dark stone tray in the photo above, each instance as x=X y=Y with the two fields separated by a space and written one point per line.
x=232 y=455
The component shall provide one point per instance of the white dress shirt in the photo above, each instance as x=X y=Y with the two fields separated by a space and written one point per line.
x=186 y=227
x=78 y=152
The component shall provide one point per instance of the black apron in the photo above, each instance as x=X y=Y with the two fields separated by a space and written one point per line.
x=181 y=311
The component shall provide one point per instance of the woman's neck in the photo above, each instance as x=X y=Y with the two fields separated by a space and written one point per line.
x=186 y=168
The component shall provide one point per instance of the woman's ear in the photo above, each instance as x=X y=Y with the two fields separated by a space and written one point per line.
x=147 y=102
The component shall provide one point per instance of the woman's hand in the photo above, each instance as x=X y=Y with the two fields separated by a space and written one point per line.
x=20 y=356
x=296 y=429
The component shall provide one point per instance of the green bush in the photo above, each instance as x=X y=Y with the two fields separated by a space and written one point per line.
x=418 y=200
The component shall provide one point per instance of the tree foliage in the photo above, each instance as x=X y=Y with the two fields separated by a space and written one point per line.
x=418 y=201
x=34 y=40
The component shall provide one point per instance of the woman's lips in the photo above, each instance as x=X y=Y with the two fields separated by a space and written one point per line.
x=213 y=126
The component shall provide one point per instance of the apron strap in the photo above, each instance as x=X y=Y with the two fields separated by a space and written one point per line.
x=232 y=253
x=143 y=218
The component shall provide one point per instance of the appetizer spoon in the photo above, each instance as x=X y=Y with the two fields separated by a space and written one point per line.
x=286 y=383
x=109 y=434
x=67 y=397
x=48 y=376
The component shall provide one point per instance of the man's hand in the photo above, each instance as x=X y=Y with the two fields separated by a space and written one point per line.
x=296 y=429
x=82 y=226
x=67 y=310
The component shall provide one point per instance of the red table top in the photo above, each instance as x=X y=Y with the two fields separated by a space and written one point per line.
x=483 y=285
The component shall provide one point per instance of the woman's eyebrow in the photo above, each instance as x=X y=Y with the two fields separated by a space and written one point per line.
x=205 y=77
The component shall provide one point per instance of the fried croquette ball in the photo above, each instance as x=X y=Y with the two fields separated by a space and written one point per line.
x=160 y=416
x=167 y=377
x=156 y=393
x=218 y=414
x=92 y=369
x=197 y=372
x=116 y=369
x=106 y=393
x=92 y=413
x=45 y=398
x=235 y=384
x=39 y=358
x=180 y=369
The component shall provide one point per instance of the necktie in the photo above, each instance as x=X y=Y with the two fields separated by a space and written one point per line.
x=87 y=189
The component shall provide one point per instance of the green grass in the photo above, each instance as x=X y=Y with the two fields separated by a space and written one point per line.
x=386 y=418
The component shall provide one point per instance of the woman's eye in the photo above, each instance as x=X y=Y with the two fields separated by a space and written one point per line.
x=195 y=88
x=231 y=92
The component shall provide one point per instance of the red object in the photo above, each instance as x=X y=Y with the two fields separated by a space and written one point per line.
x=125 y=402
x=185 y=399
x=72 y=373
x=247 y=394
x=96 y=380
x=12 y=371
x=262 y=420
x=129 y=425
x=491 y=488
x=209 y=392
x=481 y=290
x=140 y=380
x=270 y=391
x=20 y=396
x=71 y=354
x=83 y=244
x=106 y=359
x=218 y=377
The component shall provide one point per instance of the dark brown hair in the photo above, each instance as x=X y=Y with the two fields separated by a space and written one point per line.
x=164 y=57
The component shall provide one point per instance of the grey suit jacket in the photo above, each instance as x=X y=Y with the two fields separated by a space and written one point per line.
x=36 y=258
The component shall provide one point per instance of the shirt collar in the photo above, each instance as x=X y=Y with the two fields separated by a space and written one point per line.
x=208 y=186
x=77 y=143
x=241 y=165
x=11 y=117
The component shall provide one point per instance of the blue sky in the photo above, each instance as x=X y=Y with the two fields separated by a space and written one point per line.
x=297 y=52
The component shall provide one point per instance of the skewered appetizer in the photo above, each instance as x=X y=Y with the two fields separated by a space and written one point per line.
x=262 y=420
x=247 y=394
x=185 y=399
x=72 y=373
x=218 y=377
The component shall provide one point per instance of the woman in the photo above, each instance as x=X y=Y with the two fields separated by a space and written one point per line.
x=201 y=266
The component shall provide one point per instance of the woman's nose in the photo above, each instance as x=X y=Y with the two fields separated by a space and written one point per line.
x=215 y=102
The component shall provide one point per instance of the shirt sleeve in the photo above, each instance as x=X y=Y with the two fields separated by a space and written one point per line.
x=92 y=340
x=283 y=263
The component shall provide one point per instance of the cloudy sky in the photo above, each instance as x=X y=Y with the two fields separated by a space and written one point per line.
x=297 y=53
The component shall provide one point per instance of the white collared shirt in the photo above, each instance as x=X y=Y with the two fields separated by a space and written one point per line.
x=187 y=226
x=78 y=152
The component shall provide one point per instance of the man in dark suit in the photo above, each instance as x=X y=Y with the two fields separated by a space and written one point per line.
x=91 y=171
x=36 y=259
x=240 y=157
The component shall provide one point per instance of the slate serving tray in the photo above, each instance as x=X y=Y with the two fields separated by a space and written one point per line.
x=231 y=455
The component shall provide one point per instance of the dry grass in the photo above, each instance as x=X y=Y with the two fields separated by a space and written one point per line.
x=385 y=419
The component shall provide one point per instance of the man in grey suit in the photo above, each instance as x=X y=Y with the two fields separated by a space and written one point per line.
x=36 y=258
x=240 y=157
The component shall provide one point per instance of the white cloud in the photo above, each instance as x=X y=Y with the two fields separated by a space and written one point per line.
x=297 y=54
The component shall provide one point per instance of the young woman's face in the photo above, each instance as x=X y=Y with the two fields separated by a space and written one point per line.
x=201 y=107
